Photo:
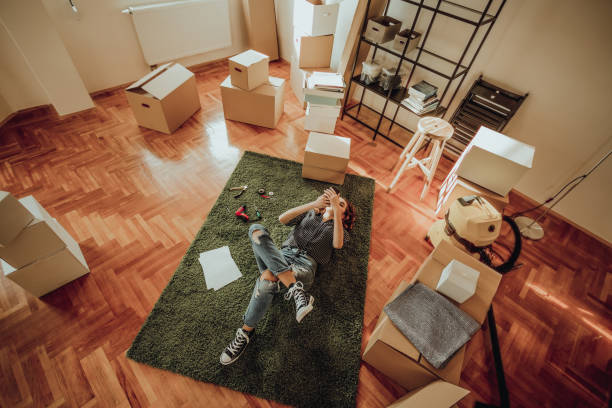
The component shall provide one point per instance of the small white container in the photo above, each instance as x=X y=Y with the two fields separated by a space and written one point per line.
x=458 y=281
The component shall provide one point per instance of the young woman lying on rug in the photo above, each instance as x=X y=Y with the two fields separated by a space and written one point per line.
x=320 y=226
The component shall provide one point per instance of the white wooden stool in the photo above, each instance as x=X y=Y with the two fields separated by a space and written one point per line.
x=438 y=131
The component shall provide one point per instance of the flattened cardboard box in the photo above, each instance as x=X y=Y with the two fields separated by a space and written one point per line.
x=313 y=52
x=249 y=69
x=392 y=353
x=263 y=106
x=165 y=98
x=14 y=217
x=327 y=151
x=260 y=19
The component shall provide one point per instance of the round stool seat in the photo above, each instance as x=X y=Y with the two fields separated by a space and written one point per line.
x=435 y=128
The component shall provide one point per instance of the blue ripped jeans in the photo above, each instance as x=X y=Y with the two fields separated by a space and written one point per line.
x=268 y=256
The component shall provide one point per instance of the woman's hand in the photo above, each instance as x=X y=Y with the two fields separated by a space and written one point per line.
x=333 y=198
x=321 y=202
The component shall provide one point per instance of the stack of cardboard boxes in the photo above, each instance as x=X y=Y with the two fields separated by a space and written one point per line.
x=249 y=94
x=390 y=352
x=326 y=157
x=314 y=24
x=323 y=94
x=37 y=252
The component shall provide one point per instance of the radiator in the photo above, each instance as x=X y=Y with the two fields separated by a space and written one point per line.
x=168 y=31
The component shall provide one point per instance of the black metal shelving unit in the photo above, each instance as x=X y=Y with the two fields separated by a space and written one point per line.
x=426 y=58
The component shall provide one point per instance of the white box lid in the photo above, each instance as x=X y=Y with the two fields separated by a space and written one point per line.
x=330 y=145
x=504 y=146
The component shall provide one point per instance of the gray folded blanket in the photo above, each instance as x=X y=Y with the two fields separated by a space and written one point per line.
x=435 y=326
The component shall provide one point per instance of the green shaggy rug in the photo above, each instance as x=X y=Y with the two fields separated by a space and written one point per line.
x=311 y=364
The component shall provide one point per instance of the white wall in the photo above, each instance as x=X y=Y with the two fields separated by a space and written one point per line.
x=30 y=28
x=559 y=52
x=104 y=46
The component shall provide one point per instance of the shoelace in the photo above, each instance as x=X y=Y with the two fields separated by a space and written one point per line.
x=238 y=342
x=297 y=291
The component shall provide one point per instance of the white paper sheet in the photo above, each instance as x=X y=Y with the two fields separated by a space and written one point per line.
x=219 y=268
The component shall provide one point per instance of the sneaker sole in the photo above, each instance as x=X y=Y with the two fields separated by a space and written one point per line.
x=305 y=310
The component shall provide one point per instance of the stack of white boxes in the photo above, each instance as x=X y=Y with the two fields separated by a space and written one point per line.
x=323 y=94
x=37 y=252
x=249 y=94
x=314 y=25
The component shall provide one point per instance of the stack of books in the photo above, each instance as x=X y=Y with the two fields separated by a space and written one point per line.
x=323 y=94
x=423 y=98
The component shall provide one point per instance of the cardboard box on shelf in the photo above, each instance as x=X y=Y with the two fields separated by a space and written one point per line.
x=327 y=151
x=321 y=174
x=454 y=187
x=260 y=21
x=312 y=17
x=49 y=273
x=249 y=69
x=401 y=39
x=437 y=394
x=389 y=351
x=165 y=98
x=14 y=217
x=382 y=29
x=313 y=52
x=495 y=161
x=299 y=76
x=263 y=106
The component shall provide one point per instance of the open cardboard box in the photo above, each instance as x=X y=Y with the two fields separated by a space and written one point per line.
x=435 y=394
x=165 y=98
x=389 y=351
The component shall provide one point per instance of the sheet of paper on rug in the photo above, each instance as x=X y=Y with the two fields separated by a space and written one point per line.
x=219 y=268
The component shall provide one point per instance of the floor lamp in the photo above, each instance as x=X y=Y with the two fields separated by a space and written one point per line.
x=530 y=228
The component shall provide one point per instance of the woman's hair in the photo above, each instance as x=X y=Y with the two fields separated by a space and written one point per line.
x=348 y=218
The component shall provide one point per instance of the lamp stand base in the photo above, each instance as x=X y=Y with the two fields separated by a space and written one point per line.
x=529 y=228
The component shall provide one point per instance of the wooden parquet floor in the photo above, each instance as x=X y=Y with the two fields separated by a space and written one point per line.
x=134 y=199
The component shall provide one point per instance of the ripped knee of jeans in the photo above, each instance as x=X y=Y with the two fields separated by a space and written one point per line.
x=256 y=234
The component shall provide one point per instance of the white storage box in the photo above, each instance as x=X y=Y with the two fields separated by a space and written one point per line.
x=14 y=217
x=318 y=122
x=495 y=161
x=458 y=281
x=249 y=69
x=312 y=17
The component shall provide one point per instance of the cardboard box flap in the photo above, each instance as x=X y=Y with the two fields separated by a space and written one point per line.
x=248 y=58
x=437 y=394
x=173 y=77
x=329 y=145
x=504 y=146
x=138 y=84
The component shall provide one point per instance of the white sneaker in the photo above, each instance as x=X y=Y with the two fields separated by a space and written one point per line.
x=303 y=301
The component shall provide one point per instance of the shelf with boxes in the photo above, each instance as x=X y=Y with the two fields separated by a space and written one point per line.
x=36 y=252
x=412 y=57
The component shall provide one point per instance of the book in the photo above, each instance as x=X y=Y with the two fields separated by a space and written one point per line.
x=326 y=80
x=420 y=104
x=420 y=99
x=338 y=94
x=420 y=110
x=424 y=89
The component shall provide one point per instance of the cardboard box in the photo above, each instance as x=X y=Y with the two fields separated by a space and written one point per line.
x=249 y=69
x=312 y=17
x=14 y=217
x=49 y=273
x=165 y=98
x=299 y=77
x=401 y=39
x=260 y=21
x=263 y=106
x=437 y=394
x=454 y=187
x=382 y=29
x=319 y=122
x=313 y=52
x=495 y=161
x=327 y=151
x=321 y=174
x=389 y=351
